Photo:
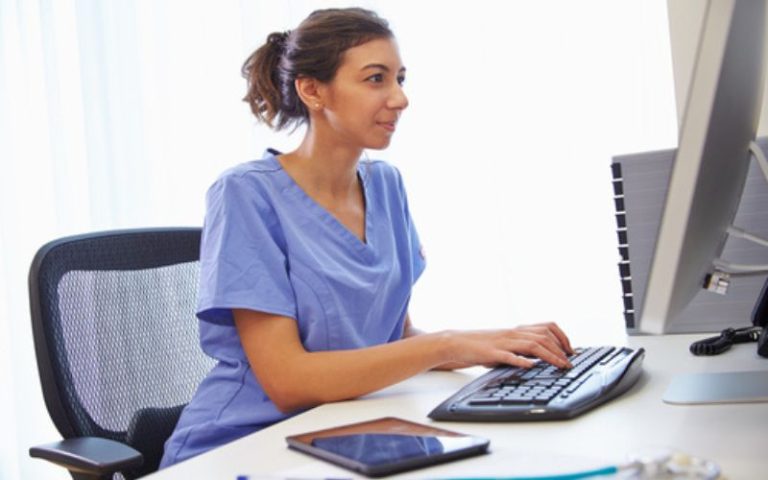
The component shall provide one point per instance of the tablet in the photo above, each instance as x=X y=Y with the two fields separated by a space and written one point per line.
x=387 y=445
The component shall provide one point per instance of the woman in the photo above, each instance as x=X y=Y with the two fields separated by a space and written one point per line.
x=308 y=258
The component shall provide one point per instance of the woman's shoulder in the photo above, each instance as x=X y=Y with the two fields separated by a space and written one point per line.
x=380 y=170
x=262 y=167
x=252 y=179
x=261 y=170
x=382 y=175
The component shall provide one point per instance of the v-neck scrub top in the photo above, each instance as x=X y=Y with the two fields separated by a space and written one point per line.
x=267 y=246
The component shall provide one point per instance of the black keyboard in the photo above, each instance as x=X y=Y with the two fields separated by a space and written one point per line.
x=545 y=392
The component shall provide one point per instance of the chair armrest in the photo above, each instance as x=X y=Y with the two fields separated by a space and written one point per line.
x=89 y=455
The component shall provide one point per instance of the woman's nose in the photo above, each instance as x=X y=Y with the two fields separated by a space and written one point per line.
x=398 y=100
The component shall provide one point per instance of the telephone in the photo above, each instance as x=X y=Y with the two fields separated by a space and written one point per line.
x=760 y=319
x=762 y=343
x=758 y=332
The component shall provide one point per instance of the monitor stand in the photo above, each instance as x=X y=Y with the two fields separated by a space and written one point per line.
x=725 y=387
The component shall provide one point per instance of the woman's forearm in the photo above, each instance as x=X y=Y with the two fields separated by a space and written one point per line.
x=294 y=378
x=410 y=331
x=312 y=378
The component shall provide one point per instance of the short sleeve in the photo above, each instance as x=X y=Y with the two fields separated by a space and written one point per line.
x=418 y=259
x=242 y=254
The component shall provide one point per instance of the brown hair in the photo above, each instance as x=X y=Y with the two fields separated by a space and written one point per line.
x=313 y=50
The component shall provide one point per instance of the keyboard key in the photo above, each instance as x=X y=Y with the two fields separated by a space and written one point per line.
x=516 y=400
x=484 y=401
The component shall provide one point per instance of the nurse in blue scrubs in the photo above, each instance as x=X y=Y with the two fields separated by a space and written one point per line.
x=308 y=257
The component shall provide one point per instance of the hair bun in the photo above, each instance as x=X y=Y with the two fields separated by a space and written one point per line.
x=279 y=38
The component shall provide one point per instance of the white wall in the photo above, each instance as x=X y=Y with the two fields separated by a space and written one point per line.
x=685 y=22
x=506 y=150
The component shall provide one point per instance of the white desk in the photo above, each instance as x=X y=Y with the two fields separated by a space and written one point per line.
x=732 y=435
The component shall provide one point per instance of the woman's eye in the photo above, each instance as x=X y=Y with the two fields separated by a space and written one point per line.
x=377 y=78
x=401 y=80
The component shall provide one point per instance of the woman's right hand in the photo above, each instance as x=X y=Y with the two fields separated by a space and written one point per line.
x=515 y=346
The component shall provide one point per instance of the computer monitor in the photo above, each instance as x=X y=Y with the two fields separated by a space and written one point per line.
x=716 y=143
x=719 y=125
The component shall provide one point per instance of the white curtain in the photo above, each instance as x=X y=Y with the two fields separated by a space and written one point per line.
x=117 y=114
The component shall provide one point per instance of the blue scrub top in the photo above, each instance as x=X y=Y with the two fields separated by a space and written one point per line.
x=267 y=246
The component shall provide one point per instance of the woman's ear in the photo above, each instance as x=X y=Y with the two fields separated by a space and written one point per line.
x=310 y=92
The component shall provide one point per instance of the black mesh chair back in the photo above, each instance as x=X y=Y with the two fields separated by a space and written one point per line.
x=116 y=338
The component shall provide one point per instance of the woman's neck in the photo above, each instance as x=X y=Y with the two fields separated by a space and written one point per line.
x=323 y=168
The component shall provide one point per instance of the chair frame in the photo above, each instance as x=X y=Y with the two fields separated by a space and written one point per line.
x=90 y=457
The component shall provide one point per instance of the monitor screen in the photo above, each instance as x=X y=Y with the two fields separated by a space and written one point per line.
x=719 y=124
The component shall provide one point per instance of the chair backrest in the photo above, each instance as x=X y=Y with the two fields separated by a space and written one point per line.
x=116 y=339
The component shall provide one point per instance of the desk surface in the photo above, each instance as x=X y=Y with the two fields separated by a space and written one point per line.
x=732 y=435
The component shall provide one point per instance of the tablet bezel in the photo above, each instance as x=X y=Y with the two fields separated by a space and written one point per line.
x=386 y=425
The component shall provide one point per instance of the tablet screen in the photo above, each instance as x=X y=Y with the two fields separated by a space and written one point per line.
x=387 y=445
x=382 y=448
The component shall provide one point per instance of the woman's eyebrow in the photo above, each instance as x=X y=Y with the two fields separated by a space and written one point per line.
x=381 y=66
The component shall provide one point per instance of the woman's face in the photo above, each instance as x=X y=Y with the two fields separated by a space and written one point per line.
x=365 y=99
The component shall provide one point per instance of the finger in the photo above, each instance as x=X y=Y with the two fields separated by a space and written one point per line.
x=543 y=336
x=553 y=357
x=552 y=330
x=561 y=337
x=509 y=358
x=540 y=346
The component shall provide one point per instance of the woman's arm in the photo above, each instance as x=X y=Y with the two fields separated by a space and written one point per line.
x=549 y=329
x=295 y=378
x=410 y=331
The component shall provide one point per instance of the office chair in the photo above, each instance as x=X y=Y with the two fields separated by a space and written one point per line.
x=117 y=346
